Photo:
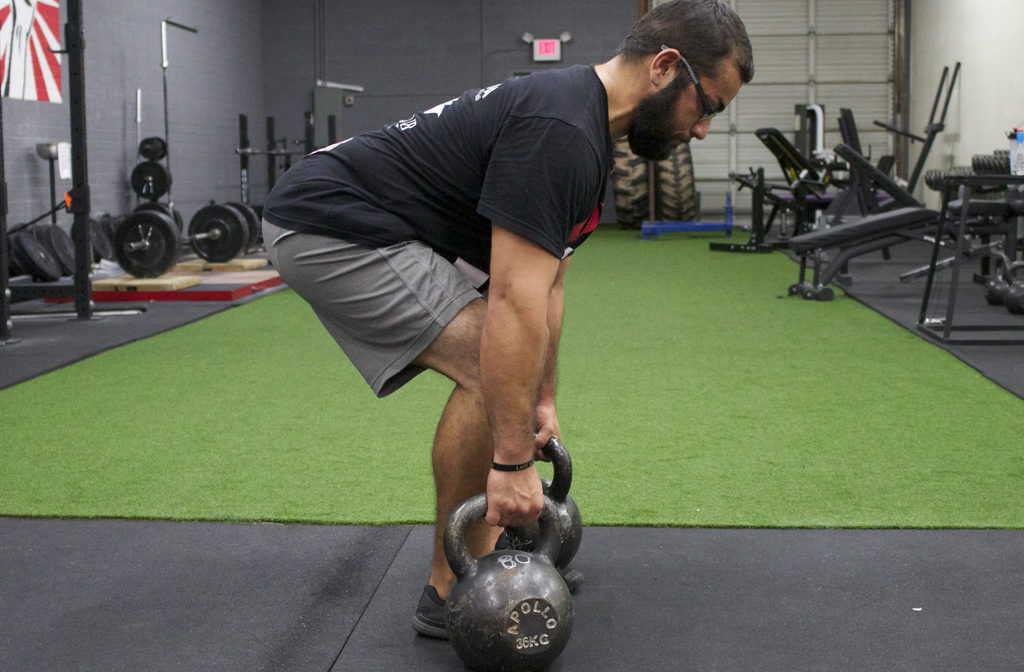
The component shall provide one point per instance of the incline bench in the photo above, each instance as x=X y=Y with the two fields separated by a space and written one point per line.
x=875 y=232
x=872 y=233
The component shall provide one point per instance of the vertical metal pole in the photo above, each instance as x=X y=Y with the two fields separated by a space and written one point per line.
x=164 y=64
x=138 y=118
x=80 y=203
x=243 y=157
x=53 y=189
x=271 y=155
x=901 y=47
x=310 y=139
x=930 y=282
x=965 y=206
x=5 y=296
x=812 y=51
x=167 y=122
x=758 y=233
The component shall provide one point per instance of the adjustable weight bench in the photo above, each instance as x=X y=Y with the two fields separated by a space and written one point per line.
x=873 y=233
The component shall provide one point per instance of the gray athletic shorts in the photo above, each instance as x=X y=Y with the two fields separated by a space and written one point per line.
x=383 y=306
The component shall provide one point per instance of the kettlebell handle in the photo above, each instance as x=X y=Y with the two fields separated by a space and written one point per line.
x=562 y=479
x=462 y=561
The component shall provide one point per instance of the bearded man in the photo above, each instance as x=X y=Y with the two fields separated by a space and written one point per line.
x=442 y=241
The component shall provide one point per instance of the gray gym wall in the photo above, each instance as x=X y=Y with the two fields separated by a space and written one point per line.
x=213 y=76
x=989 y=99
x=258 y=59
x=412 y=54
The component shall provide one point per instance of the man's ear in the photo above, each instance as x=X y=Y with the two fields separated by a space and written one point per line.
x=663 y=68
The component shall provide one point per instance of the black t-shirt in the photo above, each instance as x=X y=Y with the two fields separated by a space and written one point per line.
x=531 y=155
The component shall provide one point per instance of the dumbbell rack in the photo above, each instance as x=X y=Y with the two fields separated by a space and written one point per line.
x=942 y=328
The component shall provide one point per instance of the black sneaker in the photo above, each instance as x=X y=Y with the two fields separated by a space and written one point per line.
x=430 y=615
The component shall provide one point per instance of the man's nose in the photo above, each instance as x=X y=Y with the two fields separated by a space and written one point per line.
x=701 y=129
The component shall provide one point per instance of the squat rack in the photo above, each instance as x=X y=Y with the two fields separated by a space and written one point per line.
x=81 y=290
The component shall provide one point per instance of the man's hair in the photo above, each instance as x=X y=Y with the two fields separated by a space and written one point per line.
x=704 y=31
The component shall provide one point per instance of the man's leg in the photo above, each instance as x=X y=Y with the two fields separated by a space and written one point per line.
x=462 y=444
x=354 y=290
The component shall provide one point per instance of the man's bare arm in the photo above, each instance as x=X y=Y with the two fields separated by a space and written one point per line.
x=556 y=311
x=513 y=356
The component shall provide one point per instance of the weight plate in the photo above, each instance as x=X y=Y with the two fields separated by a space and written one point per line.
x=102 y=244
x=13 y=269
x=165 y=208
x=245 y=226
x=153 y=149
x=253 y=222
x=146 y=244
x=109 y=224
x=59 y=244
x=218 y=233
x=33 y=259
x=150 y=180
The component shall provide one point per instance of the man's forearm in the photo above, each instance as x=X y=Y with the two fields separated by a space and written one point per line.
x=512 y=367
x=549 y=379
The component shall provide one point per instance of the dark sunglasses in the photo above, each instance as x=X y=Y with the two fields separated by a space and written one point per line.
x=706 y=108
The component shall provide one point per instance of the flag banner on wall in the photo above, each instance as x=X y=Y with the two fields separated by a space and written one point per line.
x=29 y=34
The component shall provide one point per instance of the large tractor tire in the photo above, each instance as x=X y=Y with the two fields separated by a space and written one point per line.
x=677 y=197
x=678 y=200
x=630 y=181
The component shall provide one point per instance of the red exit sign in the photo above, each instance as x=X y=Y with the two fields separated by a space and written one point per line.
x=547 y=50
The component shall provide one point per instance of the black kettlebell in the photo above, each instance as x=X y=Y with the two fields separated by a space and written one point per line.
x=510 y=610
x=570 y=523
x=1014 y=298
x=996 y=289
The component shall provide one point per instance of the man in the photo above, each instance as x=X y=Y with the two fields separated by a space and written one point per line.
x=442 y=241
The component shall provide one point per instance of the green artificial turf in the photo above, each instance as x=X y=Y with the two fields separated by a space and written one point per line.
x=691 y=394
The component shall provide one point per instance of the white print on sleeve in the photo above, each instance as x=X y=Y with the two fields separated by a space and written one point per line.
x=410 y=123
x=330 y=147
x=483 y=93
x=439 y=109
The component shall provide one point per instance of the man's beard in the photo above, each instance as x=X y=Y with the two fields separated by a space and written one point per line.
x=650 y=134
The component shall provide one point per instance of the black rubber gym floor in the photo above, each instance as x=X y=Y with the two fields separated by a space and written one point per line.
x=876 y=285
x=134 y=595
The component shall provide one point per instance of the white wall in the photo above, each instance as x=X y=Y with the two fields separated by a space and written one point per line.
x=986 y=36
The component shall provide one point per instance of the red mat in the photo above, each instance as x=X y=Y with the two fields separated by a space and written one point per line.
x=227 y=286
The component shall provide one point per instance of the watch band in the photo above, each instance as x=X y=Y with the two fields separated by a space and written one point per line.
x=511 y=467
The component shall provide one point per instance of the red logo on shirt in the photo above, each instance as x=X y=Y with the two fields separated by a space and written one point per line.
x=583 y=228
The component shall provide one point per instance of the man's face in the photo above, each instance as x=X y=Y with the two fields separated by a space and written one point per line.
x=674 y=114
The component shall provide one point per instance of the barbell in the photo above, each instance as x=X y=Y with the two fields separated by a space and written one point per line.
x=147 y=242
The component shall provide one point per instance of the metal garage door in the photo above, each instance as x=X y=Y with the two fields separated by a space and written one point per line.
x=838 y=53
